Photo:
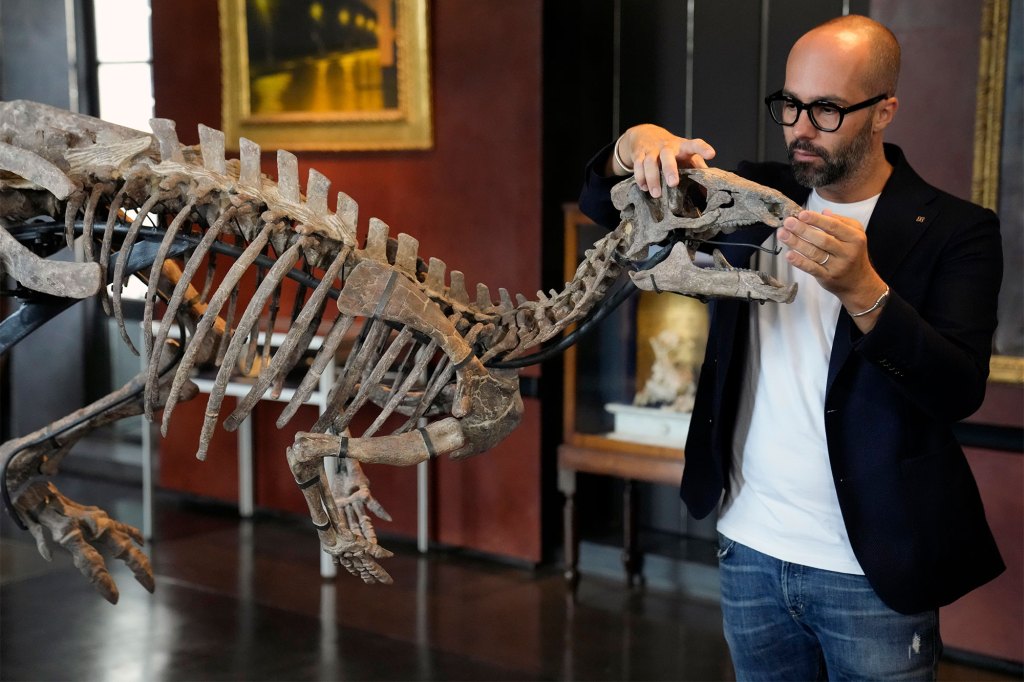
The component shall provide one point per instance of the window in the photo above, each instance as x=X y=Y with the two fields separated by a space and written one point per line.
x=124 y=62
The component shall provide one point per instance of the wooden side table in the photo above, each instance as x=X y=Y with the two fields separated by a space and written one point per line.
x=608 y=457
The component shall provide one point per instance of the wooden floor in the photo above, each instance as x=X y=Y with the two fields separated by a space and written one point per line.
x=243 y=600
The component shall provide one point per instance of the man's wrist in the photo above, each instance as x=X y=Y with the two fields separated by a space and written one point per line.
x=874 y=306
x=617 y=163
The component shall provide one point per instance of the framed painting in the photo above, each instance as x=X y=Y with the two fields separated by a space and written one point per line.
x=997 y=182
x=331 y=75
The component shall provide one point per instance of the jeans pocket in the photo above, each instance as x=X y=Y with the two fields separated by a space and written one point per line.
x=725 y=547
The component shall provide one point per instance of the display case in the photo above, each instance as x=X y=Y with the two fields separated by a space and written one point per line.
x=651 y=346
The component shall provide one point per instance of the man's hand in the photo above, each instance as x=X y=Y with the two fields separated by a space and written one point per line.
x=651 y=151
x=834 y=250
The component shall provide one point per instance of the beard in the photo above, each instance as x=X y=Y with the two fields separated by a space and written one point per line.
x=835 y=165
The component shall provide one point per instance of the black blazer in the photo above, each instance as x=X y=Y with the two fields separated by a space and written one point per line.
x=908 y=498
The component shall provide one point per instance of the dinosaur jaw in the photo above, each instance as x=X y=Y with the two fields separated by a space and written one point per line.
x=679 y=274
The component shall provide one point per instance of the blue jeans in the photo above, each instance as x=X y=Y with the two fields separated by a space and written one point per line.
x=790 y=622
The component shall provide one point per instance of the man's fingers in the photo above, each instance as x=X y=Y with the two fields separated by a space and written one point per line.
x=697 y=151
x=840 y=227
x=808 y=247
x=654 y=151
x=651 y=175
x=686 y=154
x=669 y=166
x=793 y=232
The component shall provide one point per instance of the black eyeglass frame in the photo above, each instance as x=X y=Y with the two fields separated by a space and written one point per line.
x=781 y=96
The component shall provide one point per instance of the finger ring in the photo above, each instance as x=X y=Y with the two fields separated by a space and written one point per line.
x=827 y=256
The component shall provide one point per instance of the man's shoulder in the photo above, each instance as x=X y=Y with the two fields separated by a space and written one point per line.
x=961 y=207
x=906 y=182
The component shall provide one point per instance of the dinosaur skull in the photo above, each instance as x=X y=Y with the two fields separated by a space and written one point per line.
x=707 y=202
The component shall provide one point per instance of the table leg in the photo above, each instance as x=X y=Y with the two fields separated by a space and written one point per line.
x=571 y=539
x=246 y=489
x=632 y=557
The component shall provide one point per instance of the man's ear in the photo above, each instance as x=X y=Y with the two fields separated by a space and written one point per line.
x=885 y=113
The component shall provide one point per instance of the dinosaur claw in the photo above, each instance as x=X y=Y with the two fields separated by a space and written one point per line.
x=378 y=552
x=107 y=588
x=147 y=582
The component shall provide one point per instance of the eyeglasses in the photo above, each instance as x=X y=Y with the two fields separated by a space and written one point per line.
x=825 y=116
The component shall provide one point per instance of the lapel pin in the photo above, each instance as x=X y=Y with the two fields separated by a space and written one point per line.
x=920 y=218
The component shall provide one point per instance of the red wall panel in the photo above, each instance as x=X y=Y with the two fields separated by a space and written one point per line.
x=217 y=476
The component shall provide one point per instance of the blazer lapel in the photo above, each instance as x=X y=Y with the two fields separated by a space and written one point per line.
x=899 y=220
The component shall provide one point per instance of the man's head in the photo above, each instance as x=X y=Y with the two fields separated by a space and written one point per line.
x=848 y=61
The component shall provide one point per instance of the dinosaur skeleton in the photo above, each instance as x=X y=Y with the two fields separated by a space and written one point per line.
x=422 y=348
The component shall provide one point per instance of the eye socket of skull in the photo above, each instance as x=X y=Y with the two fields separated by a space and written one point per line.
x=688 y=200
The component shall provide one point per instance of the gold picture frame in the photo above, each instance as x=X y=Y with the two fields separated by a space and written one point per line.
x=989 y=146
x=326 y=75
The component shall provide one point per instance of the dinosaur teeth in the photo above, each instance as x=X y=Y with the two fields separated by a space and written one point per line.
x=211 y=142
x=720 y=262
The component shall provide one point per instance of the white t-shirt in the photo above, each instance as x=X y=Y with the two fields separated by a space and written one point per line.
x=782 y=499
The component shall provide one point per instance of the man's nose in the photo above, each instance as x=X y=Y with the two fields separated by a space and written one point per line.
x=803 y=128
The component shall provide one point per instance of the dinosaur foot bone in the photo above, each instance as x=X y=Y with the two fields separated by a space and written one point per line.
x=80 y=530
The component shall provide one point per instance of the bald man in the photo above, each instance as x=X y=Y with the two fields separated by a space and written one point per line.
x=822 y=429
